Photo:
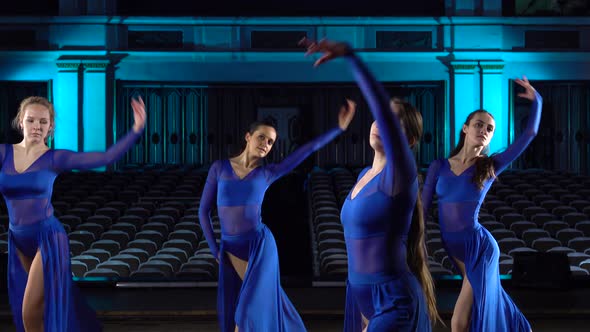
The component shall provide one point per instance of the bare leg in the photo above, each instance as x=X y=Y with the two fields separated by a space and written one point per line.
x=462 y=312
x=365 y=323
x=24 y=261
x=240 y=266
x=33 y=302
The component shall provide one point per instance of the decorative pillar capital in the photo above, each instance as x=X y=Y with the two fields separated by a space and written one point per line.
x=96 y=65
x=492 y=67
x=463 y=67
x=73 y=64
x=68 y=65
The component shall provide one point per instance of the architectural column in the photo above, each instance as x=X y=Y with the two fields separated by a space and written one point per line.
x=495 y=100
x=67 y=98
x=98 y=104
x=464 y=95
x=95 y=104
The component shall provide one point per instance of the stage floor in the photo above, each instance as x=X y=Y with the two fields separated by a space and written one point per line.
x=322 y=308
x=556 y=325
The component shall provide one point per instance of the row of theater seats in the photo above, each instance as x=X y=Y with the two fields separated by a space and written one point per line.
x=143 y=223
x=327 y=191
x=526 y=211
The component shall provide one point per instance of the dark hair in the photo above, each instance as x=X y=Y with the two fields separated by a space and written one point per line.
x=254 y=125
x=484 y=164
x=416 y=257
x=410 y=119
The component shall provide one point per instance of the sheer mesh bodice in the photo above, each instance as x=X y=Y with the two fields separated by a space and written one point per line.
x=459 y=199
x=376 y=226
x=239 y=200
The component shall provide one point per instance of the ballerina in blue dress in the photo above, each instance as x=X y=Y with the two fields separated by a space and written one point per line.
x=461 y=183
x=40 y=288
x=389 y=286
x=250 y=297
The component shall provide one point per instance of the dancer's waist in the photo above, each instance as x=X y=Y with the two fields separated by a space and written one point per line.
x=32 y=226
x=355 y=278
x=244 y=235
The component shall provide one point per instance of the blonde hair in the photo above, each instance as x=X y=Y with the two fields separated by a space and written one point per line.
x=34 y=100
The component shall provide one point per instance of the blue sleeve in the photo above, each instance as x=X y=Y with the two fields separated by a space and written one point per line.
x=67 y=160
x=208 y=198
x=299 y=155
x=400 y=159
x=502 y=160
x=429 y=188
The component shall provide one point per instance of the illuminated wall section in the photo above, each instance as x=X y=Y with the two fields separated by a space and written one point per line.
x=94 y=105
x=482 y=50
x=495 y=100
x=66 y=101
x=465 y=95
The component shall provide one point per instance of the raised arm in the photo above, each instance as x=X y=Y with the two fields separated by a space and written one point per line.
x=300 y=154
x=67 y=160
x=64 y=160
x=400 y=160
x=345 y=116
x=502 y=160
x=429 y=187
x=208 y=198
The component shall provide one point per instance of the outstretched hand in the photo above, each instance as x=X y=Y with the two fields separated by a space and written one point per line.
x=139 y=114
x=330 y=49
x=346 y=114
x=529 y=91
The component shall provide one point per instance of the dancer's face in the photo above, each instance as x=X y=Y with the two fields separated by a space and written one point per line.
x=480 y=130
x=261 y=141
x=36 y=123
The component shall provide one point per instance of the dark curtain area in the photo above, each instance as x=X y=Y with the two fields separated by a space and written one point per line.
x=176 y=126
x=11 y=95
x=306 y=111
x=562 y=142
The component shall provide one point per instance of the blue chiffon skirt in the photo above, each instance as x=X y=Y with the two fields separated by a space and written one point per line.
x=259 y=302
x=65 y=309
x=493 y=309
x=396 y=304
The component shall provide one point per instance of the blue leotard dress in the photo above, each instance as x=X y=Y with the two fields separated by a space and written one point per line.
x=376 y=224
x=33 y=227
x=258 y=303
x=467 y=241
